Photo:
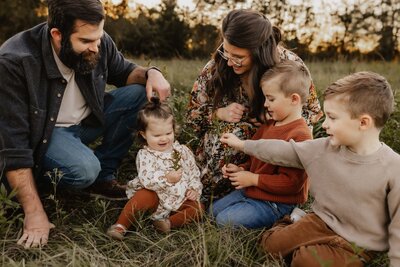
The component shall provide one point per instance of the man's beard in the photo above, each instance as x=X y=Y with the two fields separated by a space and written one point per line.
x=82 y=63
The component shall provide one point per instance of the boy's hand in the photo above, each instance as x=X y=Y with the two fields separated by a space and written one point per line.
x=233 y=141
x=230 y=168
x=174 y=176
x=192 y=195
x=243 y=179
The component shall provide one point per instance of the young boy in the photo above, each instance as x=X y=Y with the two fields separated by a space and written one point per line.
x=354 y=179
x=265 y=192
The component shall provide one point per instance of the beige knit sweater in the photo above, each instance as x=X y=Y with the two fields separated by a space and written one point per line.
x=357 y=196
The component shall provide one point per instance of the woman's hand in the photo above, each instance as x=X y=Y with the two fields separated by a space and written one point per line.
x=231 y=113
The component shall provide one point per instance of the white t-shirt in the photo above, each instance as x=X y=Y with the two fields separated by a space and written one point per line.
x=73 y=105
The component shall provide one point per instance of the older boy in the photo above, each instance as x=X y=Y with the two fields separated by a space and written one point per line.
x=265 y=192
x=353 y=178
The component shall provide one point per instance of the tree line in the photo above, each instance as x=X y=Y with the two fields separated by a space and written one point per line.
x=366 y=29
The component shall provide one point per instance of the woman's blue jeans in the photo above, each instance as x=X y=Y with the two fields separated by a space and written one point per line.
x=81 y=166
x=236 y=209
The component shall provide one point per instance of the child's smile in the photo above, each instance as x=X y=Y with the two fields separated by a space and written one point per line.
x=159 y=134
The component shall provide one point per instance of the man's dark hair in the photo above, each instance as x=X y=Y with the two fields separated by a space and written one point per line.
x=64 y=13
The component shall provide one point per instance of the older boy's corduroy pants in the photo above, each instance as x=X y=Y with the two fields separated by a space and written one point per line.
x=310 y=242
x=145 y=200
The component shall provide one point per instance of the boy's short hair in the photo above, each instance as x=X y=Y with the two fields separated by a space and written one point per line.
x=294 y=78
x=365 y=93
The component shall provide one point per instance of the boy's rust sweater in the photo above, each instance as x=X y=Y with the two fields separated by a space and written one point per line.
x=275 y=183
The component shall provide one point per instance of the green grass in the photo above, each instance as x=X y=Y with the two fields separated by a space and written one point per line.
x=79 y=237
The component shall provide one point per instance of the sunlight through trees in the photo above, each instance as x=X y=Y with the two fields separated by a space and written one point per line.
x=323 y=29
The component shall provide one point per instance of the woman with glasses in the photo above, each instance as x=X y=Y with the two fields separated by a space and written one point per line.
x=226 y=96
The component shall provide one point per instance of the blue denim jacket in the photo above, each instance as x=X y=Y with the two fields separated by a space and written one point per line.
x=31 y=89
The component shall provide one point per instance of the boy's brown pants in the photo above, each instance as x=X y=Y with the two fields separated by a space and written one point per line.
x=311 y=242
x=145 y=200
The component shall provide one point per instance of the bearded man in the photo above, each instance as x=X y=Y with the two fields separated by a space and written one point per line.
x=53 y=104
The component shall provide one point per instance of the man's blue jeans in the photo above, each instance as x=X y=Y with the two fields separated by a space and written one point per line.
x=235 y=209
x=81 y=166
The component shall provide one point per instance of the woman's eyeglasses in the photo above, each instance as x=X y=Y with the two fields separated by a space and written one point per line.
x=235 y=60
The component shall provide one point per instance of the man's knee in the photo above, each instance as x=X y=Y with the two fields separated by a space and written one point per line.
x=82 y=174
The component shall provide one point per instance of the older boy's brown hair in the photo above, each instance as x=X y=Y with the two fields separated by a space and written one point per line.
x=365 y=93
x=294 y=78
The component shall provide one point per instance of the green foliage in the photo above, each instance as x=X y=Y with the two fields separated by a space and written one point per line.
x=162 y=33
x=9 y=215
x=168 y=30
x=55 y=176
x=318 y=131
x=390 y=133
x=176 y=160
x=18 y=15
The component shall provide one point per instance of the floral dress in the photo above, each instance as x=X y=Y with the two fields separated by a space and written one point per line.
x=210 y=154
x=152 y=166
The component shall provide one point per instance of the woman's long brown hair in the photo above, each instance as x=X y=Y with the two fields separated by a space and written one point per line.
x=251 y=30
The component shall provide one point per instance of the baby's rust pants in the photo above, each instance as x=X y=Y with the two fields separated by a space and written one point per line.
x=145 y=200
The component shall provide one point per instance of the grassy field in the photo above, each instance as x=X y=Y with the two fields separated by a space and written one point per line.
x=79 y=237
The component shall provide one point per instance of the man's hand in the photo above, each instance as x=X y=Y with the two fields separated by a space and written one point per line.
x=36 y=223
x=230 y=168
x=157 y=83
x=243 y=179
x=233 y=141
x=36 y=230
x=231 y=113
x=174 y=176
x=192 y=195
